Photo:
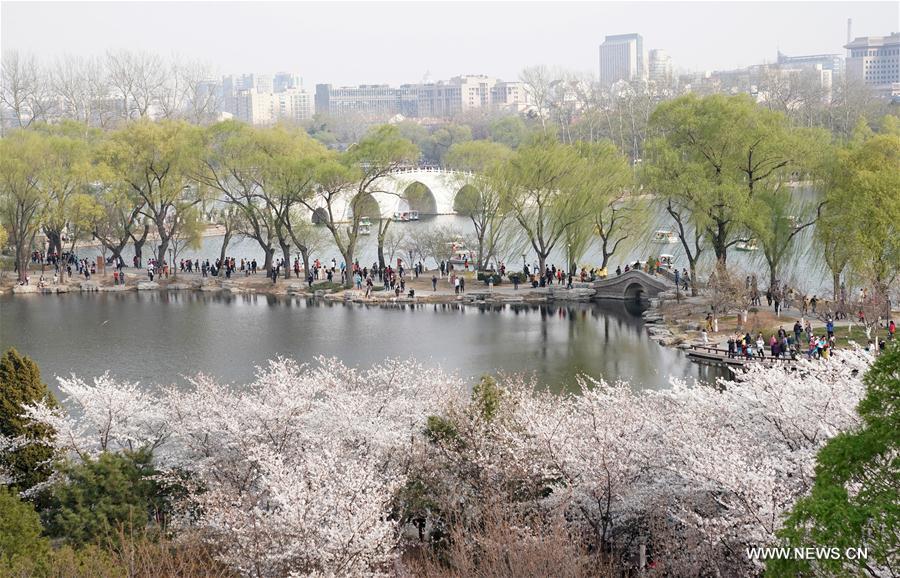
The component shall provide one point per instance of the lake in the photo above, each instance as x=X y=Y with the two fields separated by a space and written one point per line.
x=159 y=337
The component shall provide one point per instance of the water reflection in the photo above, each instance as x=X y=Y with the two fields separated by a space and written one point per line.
x=159 y=337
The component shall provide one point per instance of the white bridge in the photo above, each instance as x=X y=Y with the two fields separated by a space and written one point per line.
x=428 y=190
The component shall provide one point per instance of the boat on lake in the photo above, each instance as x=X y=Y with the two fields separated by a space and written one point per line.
x=664 y=236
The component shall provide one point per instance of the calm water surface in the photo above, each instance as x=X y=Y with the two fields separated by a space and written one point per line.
x=159 y=337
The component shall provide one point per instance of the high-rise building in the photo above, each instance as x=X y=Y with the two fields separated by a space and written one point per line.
x=295 y=104
x=262 y=108
x=875 y=60
x=660 y=68
x=285 y=81
x=622 y=58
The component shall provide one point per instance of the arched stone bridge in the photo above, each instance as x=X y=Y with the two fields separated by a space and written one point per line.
x=428 y=190
x=631 y=285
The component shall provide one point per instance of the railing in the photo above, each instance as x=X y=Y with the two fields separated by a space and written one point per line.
x=429 y=169
x=739 y=356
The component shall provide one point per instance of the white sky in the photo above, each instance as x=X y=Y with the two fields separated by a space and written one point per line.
x=380 y=42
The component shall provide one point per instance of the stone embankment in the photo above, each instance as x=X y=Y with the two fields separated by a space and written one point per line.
x=681 y=333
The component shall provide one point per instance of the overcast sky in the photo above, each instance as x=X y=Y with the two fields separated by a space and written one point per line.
x=380 y=42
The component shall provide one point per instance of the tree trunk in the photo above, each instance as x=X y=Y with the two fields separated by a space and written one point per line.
x=304 y=255
x=348 y=260
x=225 y=240
x=286 y=256
x=139 y=245
x=22 y=257
x=161 y=250
x=267 y=264
x=692 y=265
x=54 y=242
x=381 y=234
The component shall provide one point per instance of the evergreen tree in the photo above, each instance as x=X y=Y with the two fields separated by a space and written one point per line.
x=20 y=386
x=21 y=544
x=855 y=499
x=102 y=495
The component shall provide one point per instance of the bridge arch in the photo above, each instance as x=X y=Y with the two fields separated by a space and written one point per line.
x=319 y=216
x=417 y=196
x=465 y=200
x=634 y=292
x=631 y=286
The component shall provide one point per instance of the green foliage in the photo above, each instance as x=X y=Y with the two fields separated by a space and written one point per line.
x=21 y=543
x=487 y=397
x=102 y=495
x=440 y=429
x=714 y=154
x=855 y=499
x=509 y=131
x=489 y=277
x=21 y=385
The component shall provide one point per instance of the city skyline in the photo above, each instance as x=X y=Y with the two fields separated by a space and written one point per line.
x=239 y=38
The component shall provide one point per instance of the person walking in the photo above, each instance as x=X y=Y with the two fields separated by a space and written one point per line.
x=434 y=281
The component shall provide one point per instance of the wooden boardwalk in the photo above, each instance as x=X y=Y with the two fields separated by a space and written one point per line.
x=719 y=356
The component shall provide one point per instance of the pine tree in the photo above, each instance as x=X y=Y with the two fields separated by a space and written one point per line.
x=20 y=386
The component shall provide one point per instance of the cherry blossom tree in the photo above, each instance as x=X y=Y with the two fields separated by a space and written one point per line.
x=320 y=468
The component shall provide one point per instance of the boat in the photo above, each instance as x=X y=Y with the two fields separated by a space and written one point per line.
x=414 y=215
x=664 y=236
x=406 y=216
x=747 y=245
x=666 y=260
x=365 y=226
x=460 y=255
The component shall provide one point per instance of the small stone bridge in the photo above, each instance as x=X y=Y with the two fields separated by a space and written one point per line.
x=631 y=285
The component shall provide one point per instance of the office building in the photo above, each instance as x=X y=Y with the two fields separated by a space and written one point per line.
x=875 y=61
x=832 y=62
x=622 y=58
x=660 y=67
x=443 y=99
x=283 y=81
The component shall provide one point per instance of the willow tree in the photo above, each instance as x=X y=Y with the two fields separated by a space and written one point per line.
x=545 y=186
x=731 y=148
x=872 y=211
x=23 y=157
x=232 y=165
x=157 y=161
x=346 y=181
x=478 y=197
x=289 y=159
x=612 y=210
x=777 y=214
x=69 y=167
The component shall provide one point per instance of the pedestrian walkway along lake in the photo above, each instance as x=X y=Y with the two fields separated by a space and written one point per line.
x=159 y=337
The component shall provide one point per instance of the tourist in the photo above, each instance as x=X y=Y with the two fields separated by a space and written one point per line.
x=892 y=329
x=798 y=328
x=434 y=281
x=760 y=345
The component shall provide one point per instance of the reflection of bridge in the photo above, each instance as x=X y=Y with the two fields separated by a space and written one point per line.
x=631 y=285
x=428 y=190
